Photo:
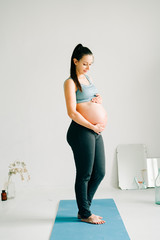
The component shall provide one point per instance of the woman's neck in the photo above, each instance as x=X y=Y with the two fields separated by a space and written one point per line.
x=80 y=76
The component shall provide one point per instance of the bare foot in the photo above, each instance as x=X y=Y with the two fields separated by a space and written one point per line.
x=93 y=219
x=98 y=216
x=79 y=216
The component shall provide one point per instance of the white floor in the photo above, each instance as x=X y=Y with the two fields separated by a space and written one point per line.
x=30 y=216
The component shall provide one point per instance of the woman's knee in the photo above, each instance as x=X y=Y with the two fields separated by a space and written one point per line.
x=83 y=177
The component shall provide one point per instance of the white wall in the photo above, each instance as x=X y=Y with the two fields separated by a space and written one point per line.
x=36 y=43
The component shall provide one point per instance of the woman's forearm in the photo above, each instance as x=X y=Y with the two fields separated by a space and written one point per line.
x=78 y=118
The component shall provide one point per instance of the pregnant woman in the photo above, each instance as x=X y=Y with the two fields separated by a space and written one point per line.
x=84 y=134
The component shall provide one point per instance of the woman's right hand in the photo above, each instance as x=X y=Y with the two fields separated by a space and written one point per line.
x=98 y=128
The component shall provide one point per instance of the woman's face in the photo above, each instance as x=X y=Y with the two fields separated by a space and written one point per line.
x=84 y=64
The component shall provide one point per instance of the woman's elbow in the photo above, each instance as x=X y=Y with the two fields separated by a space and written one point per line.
x=72 y=114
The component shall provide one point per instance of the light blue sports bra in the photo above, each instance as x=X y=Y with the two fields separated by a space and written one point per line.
x=88 y=92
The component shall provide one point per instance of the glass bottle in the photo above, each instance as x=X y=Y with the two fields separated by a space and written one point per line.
x=3 y=195
x=157 y=188
x=11 y=190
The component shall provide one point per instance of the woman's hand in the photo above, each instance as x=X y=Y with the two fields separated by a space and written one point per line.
x=98 y=128
x=97 y=99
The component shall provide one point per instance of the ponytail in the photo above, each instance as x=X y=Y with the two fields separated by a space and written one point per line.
x=78 y=53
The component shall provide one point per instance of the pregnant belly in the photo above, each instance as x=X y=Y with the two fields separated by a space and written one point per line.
x=93 y=112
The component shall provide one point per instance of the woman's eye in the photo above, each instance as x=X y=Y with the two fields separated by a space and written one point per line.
x=84 y=64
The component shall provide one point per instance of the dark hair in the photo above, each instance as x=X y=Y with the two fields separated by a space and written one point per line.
x=78 y=53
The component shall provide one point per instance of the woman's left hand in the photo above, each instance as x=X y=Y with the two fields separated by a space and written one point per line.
x=97 y=99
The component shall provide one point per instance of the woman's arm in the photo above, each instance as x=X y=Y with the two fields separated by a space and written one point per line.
x=97 y=98
x=70 y=97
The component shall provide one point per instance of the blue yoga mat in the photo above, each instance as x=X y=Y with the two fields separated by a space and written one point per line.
x=68 y=227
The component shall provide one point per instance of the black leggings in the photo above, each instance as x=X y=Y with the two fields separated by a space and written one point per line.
x=89 y=155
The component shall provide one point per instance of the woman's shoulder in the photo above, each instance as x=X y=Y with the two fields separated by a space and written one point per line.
x=69 y=82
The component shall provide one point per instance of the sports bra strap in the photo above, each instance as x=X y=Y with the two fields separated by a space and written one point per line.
x=88 y=78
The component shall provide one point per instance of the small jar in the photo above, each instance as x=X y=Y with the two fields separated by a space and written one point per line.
x=3 y=195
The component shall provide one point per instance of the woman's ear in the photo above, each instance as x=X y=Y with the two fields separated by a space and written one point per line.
x=75 y=61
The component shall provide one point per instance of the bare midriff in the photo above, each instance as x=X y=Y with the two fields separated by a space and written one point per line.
x=92 y=112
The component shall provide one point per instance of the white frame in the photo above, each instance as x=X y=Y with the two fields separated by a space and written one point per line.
x=131 y=162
